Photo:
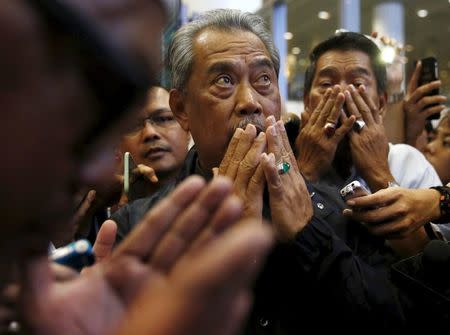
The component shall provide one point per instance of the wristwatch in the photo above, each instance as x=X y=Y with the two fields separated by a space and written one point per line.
x=444 y=203
x=396 y=97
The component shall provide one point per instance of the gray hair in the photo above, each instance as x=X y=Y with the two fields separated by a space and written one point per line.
x=180 y=55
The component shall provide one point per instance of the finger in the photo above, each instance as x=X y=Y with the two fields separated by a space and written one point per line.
x=274 y=142
x=431 y=100
x=425 y=90
x=257 y=181
x=414 y=81
x=337 y=108
x=351 y=106
x=433 y=110
x=346 y=126
x=374 y=216
x=374 y=34
x=144 y=237
x=249 y=164
x=190 y=223
x=366 y=114
x=146 y=171
x=272 y=177
x=215 y=171
x=323 y=102
x=230 y=151
x=104 y=243
x=243 y=146
x=228 y=214
x=329 y=105
x=287 y=146
x=374 y=110
x=380 y=198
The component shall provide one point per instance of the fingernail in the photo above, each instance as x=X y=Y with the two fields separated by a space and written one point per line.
x=249 y=128
x=347 y=94
x=238 y=133
x=271 y=119
x=362 y=88
x=352 y=88
x=273 y=130
x=350 y=203
x=347 y=212
x=261 y=136
x=280 y=126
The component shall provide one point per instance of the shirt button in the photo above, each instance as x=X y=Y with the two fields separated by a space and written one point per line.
x=263 y=322
x=320 y=205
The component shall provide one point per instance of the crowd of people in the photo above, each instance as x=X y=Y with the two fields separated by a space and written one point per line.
x=238 y=227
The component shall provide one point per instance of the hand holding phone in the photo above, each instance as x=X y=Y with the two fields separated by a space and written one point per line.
x=136 y=179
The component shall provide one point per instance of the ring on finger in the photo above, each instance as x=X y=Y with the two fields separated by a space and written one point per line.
x=359 y=125
x=283 y=167
x=329 y=128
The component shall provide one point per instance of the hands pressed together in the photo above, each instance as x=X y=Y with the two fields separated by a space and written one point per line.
x=253 y=161
x=351 y=113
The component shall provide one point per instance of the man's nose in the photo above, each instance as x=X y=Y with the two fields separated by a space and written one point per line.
x=430 y=148
x=247 y=100
x=150 y=131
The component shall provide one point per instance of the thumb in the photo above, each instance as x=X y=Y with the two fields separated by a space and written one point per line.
x=105 y=240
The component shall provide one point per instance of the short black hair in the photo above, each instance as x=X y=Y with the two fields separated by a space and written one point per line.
x=345 y=41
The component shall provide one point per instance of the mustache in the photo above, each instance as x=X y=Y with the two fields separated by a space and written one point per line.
x=258 y=123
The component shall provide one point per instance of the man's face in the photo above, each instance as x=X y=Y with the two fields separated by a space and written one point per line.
x=46 y=109
x=336 y=67
x=438 y=152
x=232 y=83
x=158 y=140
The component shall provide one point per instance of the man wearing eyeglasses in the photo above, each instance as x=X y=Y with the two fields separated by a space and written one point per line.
x=156 y=141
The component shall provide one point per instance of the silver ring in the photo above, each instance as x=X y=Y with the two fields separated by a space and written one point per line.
x=283 y=167
x=359 y=125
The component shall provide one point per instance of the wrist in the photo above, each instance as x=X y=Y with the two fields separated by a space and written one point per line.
x=380 y=182
x=441 y=204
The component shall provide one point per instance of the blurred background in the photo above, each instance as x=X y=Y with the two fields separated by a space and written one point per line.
x=421 y=26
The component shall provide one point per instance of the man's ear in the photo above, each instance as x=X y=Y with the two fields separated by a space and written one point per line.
x=177 y=105
x=383 y=104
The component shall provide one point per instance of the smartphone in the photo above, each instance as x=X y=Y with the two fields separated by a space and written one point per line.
x=134 y=186
x=76 y=255
x=353 y=190
x=428 y=74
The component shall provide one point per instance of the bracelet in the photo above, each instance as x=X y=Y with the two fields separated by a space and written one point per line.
x=444 y=203
x=396 y=97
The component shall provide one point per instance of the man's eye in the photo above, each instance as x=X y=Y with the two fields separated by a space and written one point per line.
x=163 y=119
x=325 y=84
x=264 y=80
x=224 y=81
x=358 y=83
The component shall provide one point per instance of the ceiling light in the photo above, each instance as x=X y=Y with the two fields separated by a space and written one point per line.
x=288 y=35
x=296 y=50
x=388 y=54
x=422 y=13
x=323 y=15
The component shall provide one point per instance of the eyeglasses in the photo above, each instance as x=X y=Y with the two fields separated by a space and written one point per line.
x=160 y=121
x=116 y=82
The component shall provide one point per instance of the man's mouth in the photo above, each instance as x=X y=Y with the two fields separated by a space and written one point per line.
x=156 y=151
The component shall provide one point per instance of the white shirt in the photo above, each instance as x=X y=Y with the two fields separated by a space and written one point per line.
x=410 y=168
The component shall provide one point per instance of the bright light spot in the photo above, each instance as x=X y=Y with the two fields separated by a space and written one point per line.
x=296 y=50
x=323 y=15
x=288 y=35
x=388 y=54
x=422 y=13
